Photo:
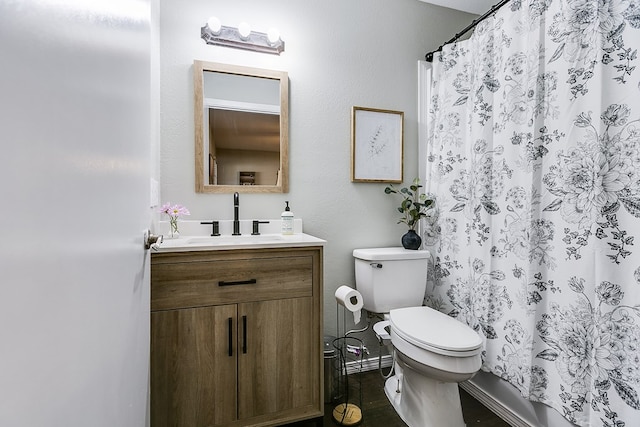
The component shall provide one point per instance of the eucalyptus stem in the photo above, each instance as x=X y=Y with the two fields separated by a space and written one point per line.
x=414 y=205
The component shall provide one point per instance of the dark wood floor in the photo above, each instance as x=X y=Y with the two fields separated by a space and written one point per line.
x=378 y=412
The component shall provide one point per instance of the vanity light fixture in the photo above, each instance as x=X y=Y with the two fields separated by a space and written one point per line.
x=214 y=33
x=214 y=25
x=273 y=35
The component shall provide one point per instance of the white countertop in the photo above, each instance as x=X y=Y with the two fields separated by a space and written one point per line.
x=195 y=236
x=245 y=241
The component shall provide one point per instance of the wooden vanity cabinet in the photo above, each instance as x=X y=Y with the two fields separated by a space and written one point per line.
x=236 y=337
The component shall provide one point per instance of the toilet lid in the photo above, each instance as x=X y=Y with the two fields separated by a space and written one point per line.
x=389 y=254
x=430 y=329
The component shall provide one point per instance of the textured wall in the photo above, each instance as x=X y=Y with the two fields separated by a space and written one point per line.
x=338 y=54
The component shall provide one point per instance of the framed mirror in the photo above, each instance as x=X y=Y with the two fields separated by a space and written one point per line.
x=241 y=129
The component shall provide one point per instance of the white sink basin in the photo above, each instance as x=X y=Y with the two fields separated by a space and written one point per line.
x=233 y=240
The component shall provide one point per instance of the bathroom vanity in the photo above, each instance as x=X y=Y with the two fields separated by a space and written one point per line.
x=236 y=333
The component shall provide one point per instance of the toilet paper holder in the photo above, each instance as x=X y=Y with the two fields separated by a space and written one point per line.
x=351 y=353
x=348 y=387
x=351 y=300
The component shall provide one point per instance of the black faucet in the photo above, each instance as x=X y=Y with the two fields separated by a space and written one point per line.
x=256 y=227
x=236 y=207
x=215 y=231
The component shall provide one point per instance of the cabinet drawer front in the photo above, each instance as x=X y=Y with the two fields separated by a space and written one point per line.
x=203 y=283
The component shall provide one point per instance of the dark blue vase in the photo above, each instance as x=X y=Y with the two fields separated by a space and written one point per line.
x=411 y=240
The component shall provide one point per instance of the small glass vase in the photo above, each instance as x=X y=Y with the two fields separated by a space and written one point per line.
x=411 y=240
x=174 y=233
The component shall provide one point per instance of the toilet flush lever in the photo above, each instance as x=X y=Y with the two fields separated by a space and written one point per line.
x=375 y=264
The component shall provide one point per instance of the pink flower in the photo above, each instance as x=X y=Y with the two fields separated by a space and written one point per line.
x=174 y=211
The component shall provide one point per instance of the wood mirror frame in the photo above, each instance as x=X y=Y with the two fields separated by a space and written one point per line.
x=204 y=166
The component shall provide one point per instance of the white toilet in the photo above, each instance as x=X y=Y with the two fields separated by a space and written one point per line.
x=433 y=351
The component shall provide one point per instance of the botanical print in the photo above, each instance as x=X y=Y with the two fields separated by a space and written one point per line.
x=477 y=187
x=596 y=349
x=514 y=361
x=588 y=32
x=492 y=42
x=488 y=300
x=485 y=69
x=534 y=149
x=523 y=235
x=377 y=140
x=528 y=94
x=535 y=10
x=594 y=180
x=532 y=289
x=455 y=54
x=533 y=153
x=376 y=143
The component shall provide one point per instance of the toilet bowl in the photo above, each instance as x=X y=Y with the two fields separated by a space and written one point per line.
x=433 y=351
x=429 y=362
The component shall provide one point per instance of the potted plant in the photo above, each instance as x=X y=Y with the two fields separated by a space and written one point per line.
x=414 y=205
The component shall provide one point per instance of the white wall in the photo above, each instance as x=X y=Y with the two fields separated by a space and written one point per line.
x=338 y=54
x=475 y=6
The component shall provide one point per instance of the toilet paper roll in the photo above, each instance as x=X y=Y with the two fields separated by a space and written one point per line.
x=351 y=300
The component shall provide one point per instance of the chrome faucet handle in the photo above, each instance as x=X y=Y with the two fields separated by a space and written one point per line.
x=215 y=227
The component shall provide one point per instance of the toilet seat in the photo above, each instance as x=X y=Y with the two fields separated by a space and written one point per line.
x=434 y=331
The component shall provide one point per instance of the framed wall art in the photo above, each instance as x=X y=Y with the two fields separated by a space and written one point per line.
x=377 y=144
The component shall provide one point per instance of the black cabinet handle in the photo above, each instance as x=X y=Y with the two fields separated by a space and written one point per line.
x=237 y=282
x=244 y=334
x=230 y=337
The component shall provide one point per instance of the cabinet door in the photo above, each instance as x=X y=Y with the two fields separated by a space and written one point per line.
x=275 y=356
x=193 y=366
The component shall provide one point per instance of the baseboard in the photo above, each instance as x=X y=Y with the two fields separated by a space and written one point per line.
x=369 y=364
x=494 y=405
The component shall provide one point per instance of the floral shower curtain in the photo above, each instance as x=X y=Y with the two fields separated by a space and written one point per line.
x=533 y=153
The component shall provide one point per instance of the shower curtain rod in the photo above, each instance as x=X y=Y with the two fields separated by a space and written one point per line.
x=494 y=8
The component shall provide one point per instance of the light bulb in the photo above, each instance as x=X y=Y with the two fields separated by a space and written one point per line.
x=244 y=29
x=214 y=25
x=273 y=35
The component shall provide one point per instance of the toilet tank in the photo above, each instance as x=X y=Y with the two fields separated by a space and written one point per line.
x=390 y=278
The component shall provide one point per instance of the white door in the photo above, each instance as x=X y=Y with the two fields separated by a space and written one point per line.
x=74 y=201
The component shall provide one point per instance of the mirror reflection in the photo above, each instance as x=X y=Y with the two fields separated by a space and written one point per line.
x=241 y=129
